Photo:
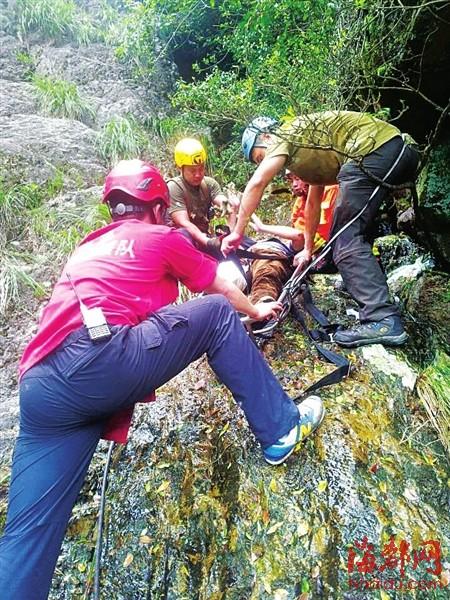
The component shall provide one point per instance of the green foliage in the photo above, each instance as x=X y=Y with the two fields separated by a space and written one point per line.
x=15 y=205
x=252 y=56
x=226 y=165
x=165 y=128
x=138 y=43
x=157 y=29
x=53 y=18
x=61 y=98
x=63 y=20
x=62 y=230
x=22 y=206
x=14 y=277
x=15 y=201
x=28 y=61
x=436 y=184
x=121 y=138
x=433 y=391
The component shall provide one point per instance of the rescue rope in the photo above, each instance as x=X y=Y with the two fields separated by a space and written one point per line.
x=99 y=543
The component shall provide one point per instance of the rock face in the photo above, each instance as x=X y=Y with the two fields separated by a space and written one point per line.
x=43 y=144
x=102 y=80
x=193 y=512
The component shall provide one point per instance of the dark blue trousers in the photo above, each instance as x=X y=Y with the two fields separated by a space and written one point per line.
x=66 y=399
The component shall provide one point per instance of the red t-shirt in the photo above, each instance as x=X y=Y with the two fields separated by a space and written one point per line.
x=130 y=269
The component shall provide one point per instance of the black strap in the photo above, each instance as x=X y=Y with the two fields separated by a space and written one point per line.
x=342 y=364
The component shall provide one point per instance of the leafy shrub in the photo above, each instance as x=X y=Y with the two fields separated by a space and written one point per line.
x=121 y=138
x=61 y=98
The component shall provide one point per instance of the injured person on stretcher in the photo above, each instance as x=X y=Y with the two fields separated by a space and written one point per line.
x=269 y=276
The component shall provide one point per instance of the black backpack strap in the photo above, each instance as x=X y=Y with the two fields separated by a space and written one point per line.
x=341 y=362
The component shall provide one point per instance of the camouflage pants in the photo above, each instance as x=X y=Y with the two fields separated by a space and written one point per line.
x=269 y=276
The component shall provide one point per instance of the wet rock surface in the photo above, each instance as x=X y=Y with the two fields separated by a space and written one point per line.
x=194 y=512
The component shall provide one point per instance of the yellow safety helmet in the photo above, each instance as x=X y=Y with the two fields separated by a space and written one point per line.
x=189 y=152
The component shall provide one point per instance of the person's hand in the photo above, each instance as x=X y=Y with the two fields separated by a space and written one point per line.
x=302 y=259
x=267 y=310
x=256 y=223
x=234 y=201
x=230 y=242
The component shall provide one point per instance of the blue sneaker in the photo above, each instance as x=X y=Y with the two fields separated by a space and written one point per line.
x=311 y=413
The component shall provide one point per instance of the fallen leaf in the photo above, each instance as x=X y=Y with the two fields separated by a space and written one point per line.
x=302 y=528
x=128 y=560
x=315 y=572
x=163 y=487
x=322 y=486
x=225 y=428
x=274 y=528
x=273 y=486
x=145 y=539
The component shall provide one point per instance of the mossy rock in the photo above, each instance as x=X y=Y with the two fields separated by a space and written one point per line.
x=434 y=204
x=427 y=302
x=396 y=250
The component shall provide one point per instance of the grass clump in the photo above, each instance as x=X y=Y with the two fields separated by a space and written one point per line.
x=61 y=98
x=62 y=230
x=19 y=203
x=121 y=138
x=14 y=276
x=53 y=18
x=27 y=61
x=15 y=202
x=433 y=390
x=65 y=20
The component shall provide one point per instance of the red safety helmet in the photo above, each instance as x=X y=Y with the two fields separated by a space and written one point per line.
x=140 y=180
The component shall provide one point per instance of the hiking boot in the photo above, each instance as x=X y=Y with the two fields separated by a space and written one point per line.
x=388 y=331
x=311 y=412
